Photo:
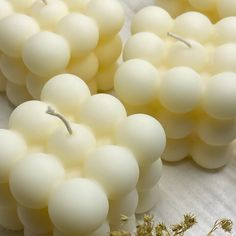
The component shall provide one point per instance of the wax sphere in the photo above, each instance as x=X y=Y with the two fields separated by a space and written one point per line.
x=225 y=30
x=152 y=19
x=193 y=25
x=85 y=68
x=224 y=58
x=78 y=206
x=5 y=9
x=9 y=155
x=146 y=46
x=34 y=85
x=48 y=15
x=211 y=157
x=80 y=31
x=181 y=89
x=16 y=93
x=66 y=91
x=123 y=206
x=15 y=30
x=136 y=82
x=105 y=77
x=176 y=125
x=173 y=7
x=226 y=8
x=203 y=5
x=108 y=14
x=31 y=120
x=220 y=96
x=176 y=149
x=77 y=5
x=105 y=166
x=73 y=148
x=108 y=52
x=181 y=55
x=3 y=82
x=147 y=199
x=216 y=132
x=144 y=136
x=100 y=231
x=43 y=48
x=6 y=198
x=33 y=179
x=35 y=220
x=22 y=5
x=149 y=175
x=13 y=69
x=105 y=120
x=9 y=219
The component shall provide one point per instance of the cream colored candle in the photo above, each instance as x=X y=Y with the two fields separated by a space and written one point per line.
x=80 y=31
x=15 y=30
x=49 y=14
x=72 y=149
x=105 y=165
x=144 y=45
x=44 y=47
x=66 y=91
x=78 y=217
x=103 y=121
x=77 y=153
x=27 y=119
x=33 y=179
x=109 y=16
x=153 y=19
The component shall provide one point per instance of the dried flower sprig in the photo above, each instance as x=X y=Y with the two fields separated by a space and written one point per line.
x=224 y=224
x=148 y=227
x=188 y=222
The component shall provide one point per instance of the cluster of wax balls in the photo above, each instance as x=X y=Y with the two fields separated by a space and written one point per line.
x=191 y=89
x=214 y=9
x=78 y=183
x=42 y=38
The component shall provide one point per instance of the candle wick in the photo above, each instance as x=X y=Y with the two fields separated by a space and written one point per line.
x=50 y=111
x=175 y=36
x=45 y=2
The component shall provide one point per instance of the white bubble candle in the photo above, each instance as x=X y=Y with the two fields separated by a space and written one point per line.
x=182 y=71
x=42 y=38
x=74 y=163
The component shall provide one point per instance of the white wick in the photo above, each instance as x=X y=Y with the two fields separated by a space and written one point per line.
x=175 y=36
x=50 y=111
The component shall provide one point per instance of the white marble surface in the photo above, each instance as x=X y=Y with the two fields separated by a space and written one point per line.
x=184 y=187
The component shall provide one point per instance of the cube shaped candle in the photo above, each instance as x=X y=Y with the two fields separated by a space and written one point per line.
x=214 y=9
x=73 y=164
x=183 y=72
x=42 y=38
